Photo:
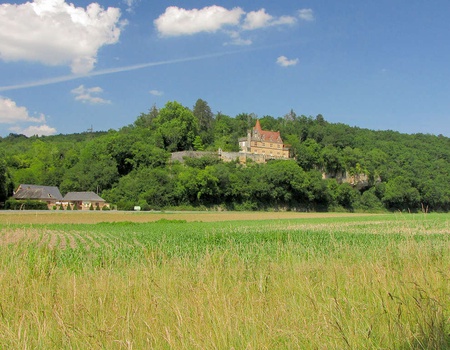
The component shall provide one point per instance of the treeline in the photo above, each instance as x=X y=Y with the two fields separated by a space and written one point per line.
x=132 y=166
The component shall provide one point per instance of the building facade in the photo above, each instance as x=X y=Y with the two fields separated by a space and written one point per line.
x=47 y=194
x=84 y=200
x=267 y=144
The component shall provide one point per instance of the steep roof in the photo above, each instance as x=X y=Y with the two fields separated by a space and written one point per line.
x=267 y=135
x=25 y=191
x=83 y=196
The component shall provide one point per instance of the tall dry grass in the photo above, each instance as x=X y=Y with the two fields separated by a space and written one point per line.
x=395 y=299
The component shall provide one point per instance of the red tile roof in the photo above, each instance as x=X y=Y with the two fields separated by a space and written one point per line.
x=267 y=135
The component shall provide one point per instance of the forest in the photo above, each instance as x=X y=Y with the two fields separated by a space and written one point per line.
x=132 y=166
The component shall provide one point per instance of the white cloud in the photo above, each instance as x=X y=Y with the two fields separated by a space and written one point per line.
x=131 y=4
x=54 y=32
x=257 y=19
x=260 y=19
x=178 y=21
x=283 y=61
x=88 y=95
x=11 y=113
x=156 y=92
x=236 y=39
x=306 y=15
x=40 y=130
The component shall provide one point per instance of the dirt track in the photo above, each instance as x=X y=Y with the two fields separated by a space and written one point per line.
x=57 y=217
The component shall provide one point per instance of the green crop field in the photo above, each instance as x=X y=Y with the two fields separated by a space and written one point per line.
x=185 y=281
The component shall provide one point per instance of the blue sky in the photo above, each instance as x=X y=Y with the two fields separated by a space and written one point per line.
x=68 y=66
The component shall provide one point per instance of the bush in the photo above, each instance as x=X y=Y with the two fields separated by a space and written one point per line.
x=14 y=204
x=125 y=205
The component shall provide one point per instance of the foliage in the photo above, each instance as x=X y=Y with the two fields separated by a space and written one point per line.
x=177 y=126
x=14 y=204
x=6 y=185
x=372 y=170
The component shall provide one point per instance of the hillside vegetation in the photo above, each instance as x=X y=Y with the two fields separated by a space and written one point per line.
x=132 y=166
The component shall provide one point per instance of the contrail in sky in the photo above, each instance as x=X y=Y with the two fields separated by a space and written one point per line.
x=108 y=71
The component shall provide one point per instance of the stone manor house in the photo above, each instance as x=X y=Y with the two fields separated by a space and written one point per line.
x=265 y=144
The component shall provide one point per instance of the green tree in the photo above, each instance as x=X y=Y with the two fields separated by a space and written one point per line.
x=197 y=144
x=205 y=119
x=177 y=127
x=400 y=194
x=244 y=122
x=95 y=171
x=369 y=201
x=309 y=155
x=225 y=135
x=347 y=196
x=5 y=182
x=145 y=120
x=332 y=160
x=144 y=154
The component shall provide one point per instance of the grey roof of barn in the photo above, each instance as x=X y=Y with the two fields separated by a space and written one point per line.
x=25 y=191
x=83 y=196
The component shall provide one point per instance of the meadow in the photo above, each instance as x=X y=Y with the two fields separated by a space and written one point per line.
x=224 y=281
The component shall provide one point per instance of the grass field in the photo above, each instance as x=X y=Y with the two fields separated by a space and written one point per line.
x=224 y=281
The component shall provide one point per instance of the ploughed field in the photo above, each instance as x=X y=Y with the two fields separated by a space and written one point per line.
x=224 y=280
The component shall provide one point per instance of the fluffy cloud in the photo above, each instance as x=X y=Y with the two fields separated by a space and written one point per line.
x=306 y=15
x=257 y=19
x=10 y=113
x=261 y=19
x=41 y=130
x=177 y=21
x=54 y=32
x=89 y=95
x=283 y=61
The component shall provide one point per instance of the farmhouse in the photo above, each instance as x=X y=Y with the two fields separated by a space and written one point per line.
x=52 y=196
x=47 y=194
x=84 y=200
x=267 y=144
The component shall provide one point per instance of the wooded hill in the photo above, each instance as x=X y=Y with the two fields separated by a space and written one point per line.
x=132 y=166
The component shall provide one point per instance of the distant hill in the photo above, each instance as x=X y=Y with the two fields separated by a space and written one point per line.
x=131 y=166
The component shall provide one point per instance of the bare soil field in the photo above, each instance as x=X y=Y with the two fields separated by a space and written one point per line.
x=57 y=217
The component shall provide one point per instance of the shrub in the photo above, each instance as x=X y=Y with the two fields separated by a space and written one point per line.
x=14 y=204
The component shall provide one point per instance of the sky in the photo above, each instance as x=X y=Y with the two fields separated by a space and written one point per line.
x=67 y=67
